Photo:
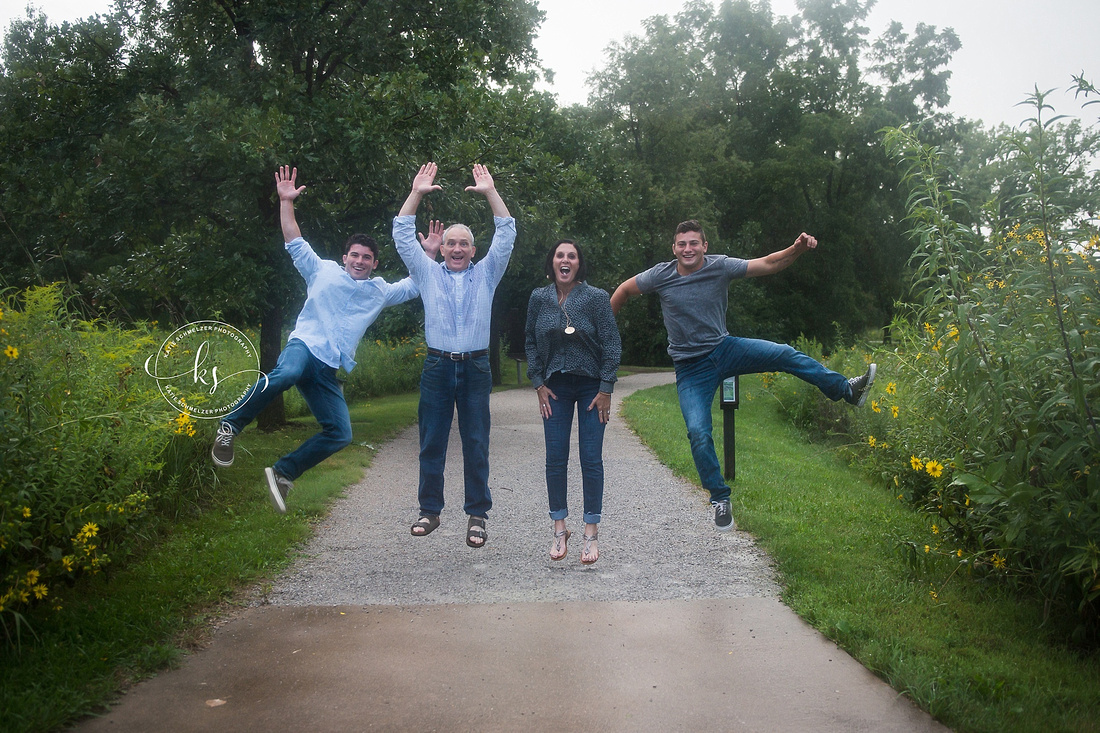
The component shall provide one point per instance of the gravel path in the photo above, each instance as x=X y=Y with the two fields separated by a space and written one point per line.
x=657 y=537
x=677 y=627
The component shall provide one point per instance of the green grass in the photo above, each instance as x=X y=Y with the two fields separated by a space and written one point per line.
x=976 y=657
x=121 y=626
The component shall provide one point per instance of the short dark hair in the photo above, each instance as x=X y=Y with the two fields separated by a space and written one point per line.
x=691 y=225
x=548 y=265
x=364 y=240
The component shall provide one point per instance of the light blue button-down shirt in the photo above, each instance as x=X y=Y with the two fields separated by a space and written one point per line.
x=457 y=305
x=339 y=308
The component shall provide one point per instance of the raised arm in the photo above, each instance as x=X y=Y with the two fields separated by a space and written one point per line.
x=624 y=292
x=285 y=178
x=781 y=260
x=423 y=184
x=483 y=184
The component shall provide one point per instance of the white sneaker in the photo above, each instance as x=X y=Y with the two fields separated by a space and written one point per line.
x=861 y=386
x=723 y=516
x=278 y=486
x=222 y=452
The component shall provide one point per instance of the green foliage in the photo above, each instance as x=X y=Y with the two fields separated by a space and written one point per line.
x=83 y=445
x=1015 y=319
x=988 y=416
x=762 y=127
x=147 y=180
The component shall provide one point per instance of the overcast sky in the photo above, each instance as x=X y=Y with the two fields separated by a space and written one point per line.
x=1008 y=46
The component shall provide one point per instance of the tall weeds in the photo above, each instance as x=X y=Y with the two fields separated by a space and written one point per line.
x=84 y=443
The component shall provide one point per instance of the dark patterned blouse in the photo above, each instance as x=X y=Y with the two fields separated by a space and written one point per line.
x=591 y=347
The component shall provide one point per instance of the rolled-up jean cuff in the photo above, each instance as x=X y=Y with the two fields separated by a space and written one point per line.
x=559 y=514
x=592 y=518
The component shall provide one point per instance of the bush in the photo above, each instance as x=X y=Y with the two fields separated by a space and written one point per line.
x=83 y=444
x=985 y=416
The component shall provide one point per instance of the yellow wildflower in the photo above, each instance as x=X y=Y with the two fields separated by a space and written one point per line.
x=11 y=352
x=927 y=549
x=916 y=463
x=871 y=440
x=892 y=388
x=40 y=591
x=26 y=512
x=935 y=529
x=934 y=468
x=998 y=561
x=875 y=407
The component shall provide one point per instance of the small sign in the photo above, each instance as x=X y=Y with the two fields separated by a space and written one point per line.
x=729 y=394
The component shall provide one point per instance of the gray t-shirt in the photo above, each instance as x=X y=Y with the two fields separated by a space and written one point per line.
x=694 y=306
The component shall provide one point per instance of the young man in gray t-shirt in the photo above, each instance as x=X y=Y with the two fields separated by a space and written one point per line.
x=694 y=291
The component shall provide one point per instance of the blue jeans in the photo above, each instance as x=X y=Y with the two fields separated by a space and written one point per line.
x=698 y=379
x=577 y=391
x=316 y=381
x=445 y=385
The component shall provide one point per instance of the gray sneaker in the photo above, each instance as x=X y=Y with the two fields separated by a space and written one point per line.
x=278 y=486
x=723 y=517
x=859 y=387
x=222 y=452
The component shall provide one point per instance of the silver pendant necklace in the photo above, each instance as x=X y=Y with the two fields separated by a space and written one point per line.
x=569 y=330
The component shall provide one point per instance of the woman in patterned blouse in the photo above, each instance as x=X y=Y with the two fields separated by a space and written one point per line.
x=573 y=351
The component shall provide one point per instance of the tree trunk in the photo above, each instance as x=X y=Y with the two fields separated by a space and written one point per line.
x=271 y=344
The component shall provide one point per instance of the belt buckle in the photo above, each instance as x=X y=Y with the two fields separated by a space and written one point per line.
x=455 y=356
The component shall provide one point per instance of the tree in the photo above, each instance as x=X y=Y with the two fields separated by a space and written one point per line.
x=761 y=127
x=192 y=106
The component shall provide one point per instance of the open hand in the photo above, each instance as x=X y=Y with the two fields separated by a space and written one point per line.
x=285 y=178
x=483 y=182
x=424 y=180
x=433 y=240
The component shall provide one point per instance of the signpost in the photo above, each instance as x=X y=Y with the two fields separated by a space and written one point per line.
x=729 y=407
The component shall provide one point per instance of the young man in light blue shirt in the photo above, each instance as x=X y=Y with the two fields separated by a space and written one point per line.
x=458 y=301
x=341 y=303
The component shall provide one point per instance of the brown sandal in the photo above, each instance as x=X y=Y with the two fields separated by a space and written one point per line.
x=426 y=524
x=475 y=530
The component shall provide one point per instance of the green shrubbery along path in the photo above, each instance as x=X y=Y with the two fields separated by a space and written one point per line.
x=84 y=440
